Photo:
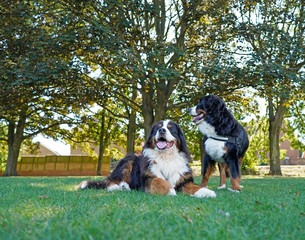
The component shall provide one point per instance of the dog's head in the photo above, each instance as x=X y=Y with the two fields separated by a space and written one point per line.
x=212 y=116
x=207 y=109
x=165 y=135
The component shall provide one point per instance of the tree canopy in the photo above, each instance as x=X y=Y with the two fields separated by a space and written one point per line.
x=143 y=61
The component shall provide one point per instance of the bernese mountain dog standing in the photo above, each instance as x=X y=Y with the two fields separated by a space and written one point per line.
x=163 y=168
x=225 y=140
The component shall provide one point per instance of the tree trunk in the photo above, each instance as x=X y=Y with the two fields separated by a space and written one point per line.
x=132 y=126
x=104 y=141
x=151 y=115
x=201 y=155
x=101 y=147
x=275 y=124
x=161 y=106
x=275 y=168
x=15 y=140
x=147 y=112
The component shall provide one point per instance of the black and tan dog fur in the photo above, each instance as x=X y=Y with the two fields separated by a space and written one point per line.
x=216 y=123
x=163 y=168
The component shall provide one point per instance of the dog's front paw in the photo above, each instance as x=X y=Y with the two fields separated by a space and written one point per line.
x=223 y=186
x=204 y=193
x=172 y=192
x=114 y=187
x=124 y=186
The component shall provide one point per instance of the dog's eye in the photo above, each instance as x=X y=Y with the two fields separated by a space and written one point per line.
x=171 y=129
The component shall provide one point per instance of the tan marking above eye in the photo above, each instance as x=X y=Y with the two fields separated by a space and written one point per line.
x=169 y=126
x=159 y=125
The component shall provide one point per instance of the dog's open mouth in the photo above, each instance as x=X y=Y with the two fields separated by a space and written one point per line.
x=162 y=144
x=201 y=116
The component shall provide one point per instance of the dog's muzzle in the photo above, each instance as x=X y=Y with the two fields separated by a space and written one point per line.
x=198 y=115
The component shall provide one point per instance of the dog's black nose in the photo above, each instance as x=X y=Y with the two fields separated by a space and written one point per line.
x=162 y=130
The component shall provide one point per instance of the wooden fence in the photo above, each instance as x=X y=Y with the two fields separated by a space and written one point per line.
x=293 y=161
x=62 y=166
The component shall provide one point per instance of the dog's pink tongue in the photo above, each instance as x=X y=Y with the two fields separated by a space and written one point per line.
x=161 y=144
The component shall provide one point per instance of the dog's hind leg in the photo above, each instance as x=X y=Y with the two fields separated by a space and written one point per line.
x=235 y=184
x=93 y=184
x=234 y=167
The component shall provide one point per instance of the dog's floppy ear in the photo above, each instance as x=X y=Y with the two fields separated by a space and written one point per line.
x=150 y=140
x=182 y=142
x=212 y=102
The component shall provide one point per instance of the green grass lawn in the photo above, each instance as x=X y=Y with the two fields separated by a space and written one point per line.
x=50 y=208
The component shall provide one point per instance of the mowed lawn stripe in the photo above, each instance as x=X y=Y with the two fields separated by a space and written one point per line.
x=50 y=208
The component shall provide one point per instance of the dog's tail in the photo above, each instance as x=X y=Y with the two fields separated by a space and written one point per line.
x=94 y=184
x=125 y=176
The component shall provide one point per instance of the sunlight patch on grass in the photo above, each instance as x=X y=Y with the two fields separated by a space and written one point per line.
x=268 y=208
x=34 y=212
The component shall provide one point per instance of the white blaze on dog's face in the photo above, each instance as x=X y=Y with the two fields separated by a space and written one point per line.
x=163 y=138
x=200 y=114
x=197 y=118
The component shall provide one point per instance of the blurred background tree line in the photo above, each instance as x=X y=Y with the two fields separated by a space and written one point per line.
x=105 y=71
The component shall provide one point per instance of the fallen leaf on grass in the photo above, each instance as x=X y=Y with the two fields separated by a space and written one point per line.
x=296 y=194
x=43 y=197
x=302 y=213
x=187 y=218
x=259 y=203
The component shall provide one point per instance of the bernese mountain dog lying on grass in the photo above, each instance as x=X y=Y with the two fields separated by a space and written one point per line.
x=163 y=168
x=225 y=140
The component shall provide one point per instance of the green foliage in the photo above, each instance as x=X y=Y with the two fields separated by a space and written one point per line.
x=42 y=206
x=269 y=42
x=293 y=136
x=259 y=144
x=258 y=151
x=87 y=135
x=143 y=61
x=295 y=124
x=41 y=81
x=3 y=155
x=3 y=146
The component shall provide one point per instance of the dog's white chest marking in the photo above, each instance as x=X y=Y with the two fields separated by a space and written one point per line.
x=207 y=129
x=168 y=165
x=213 y=147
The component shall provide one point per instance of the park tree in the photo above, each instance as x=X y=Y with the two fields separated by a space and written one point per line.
x=156 y=56
x=258 y=46
x=159 y=56
x=40 y=83
x=142 y=46
x=271 y=36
